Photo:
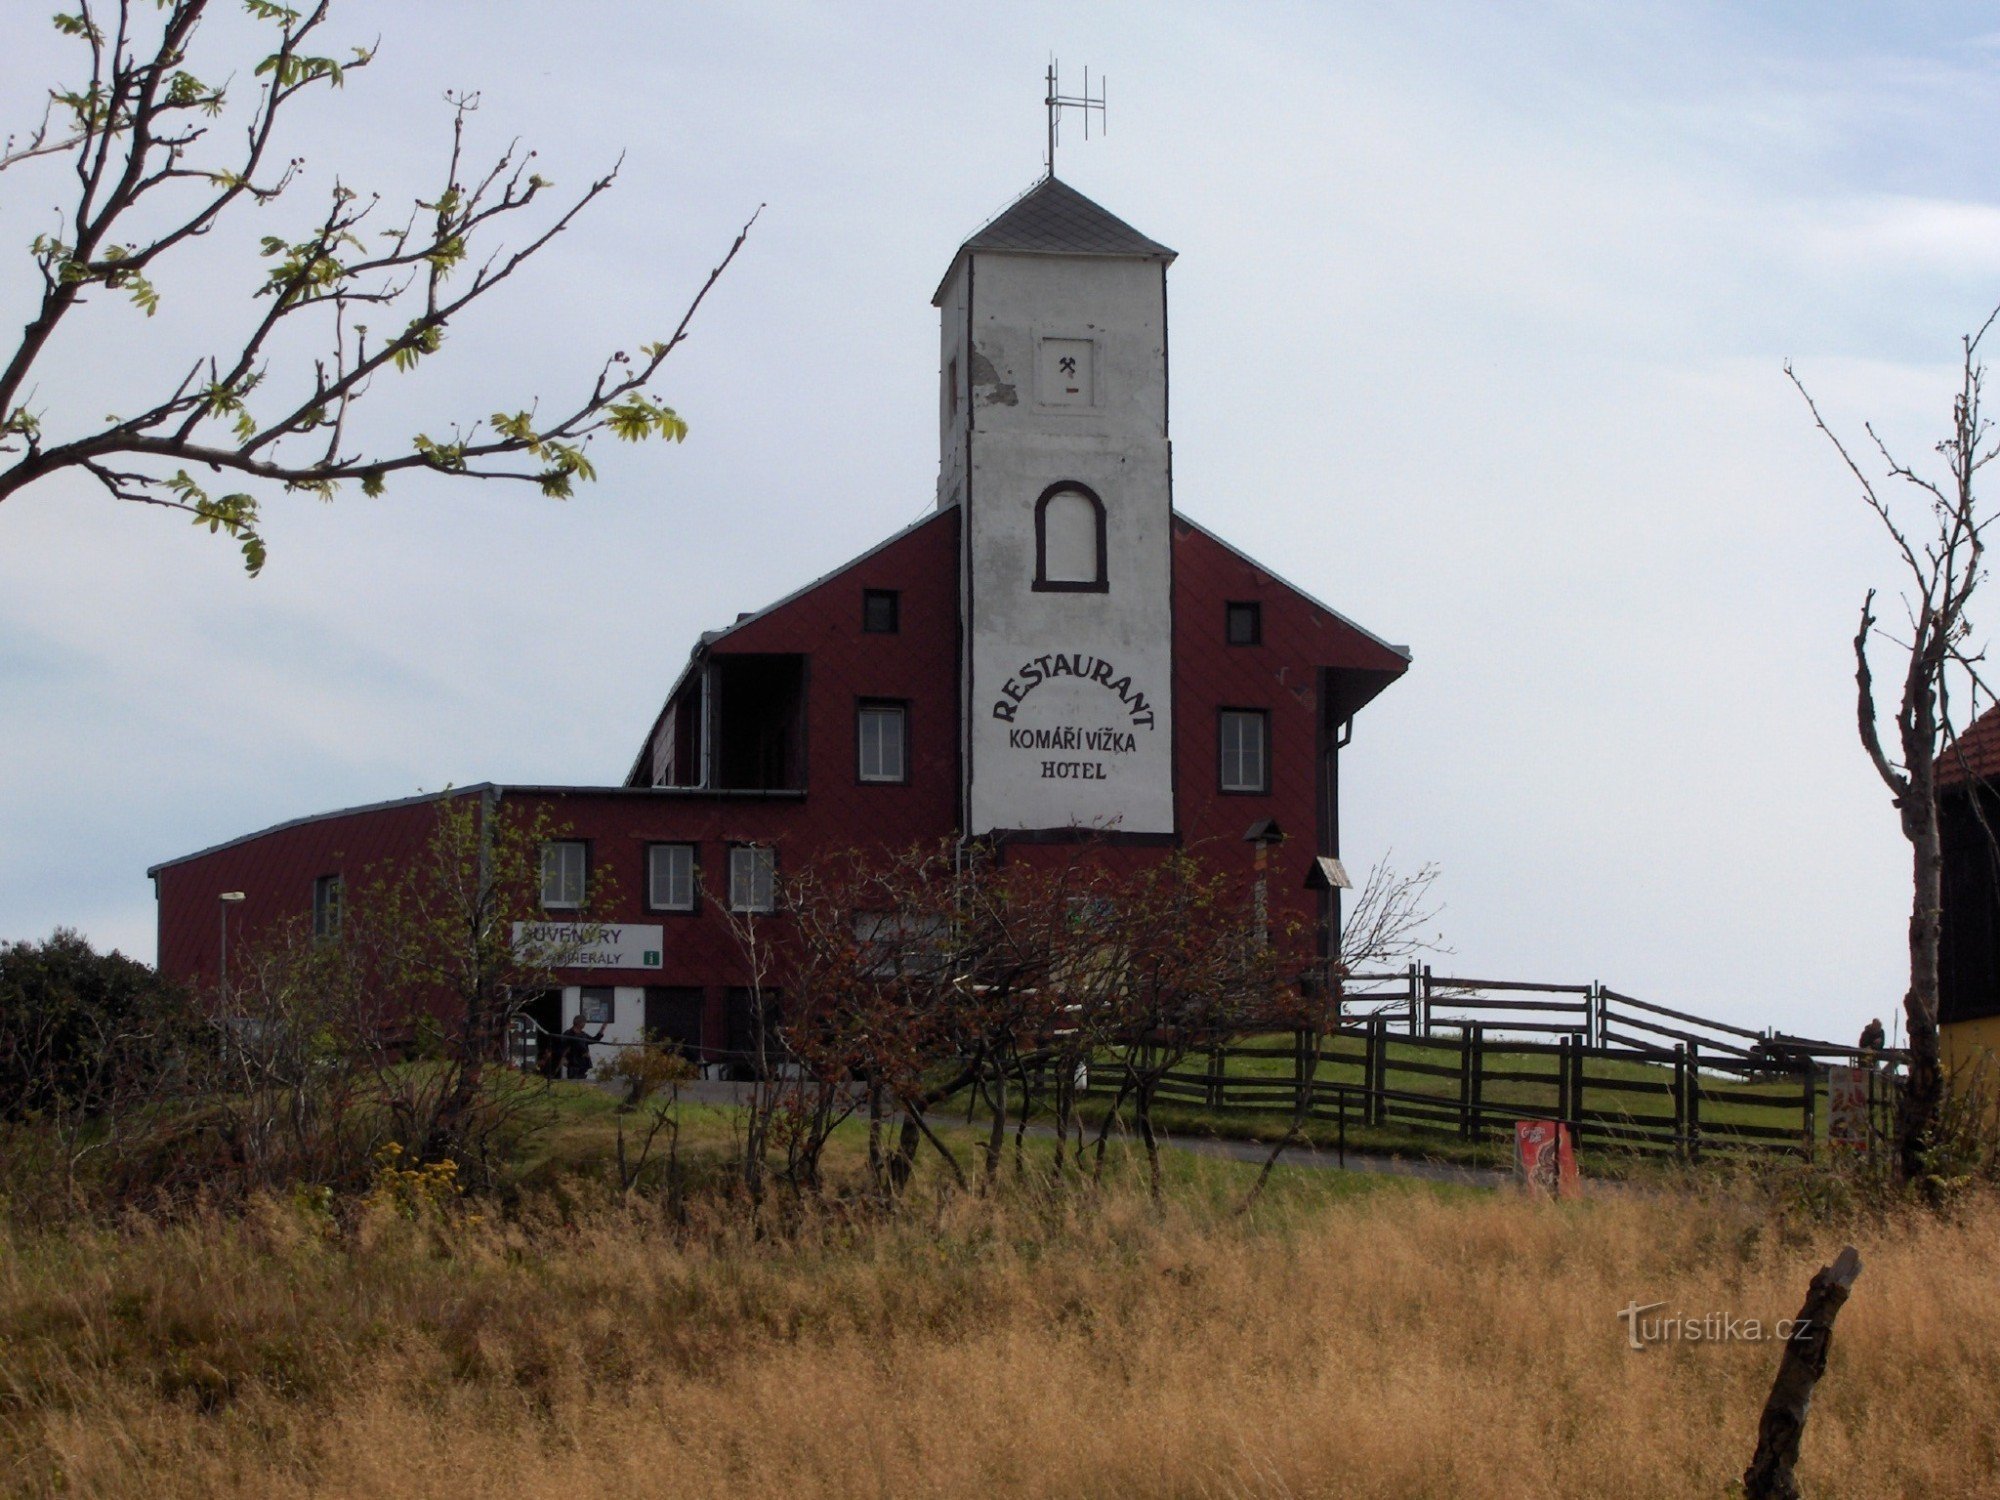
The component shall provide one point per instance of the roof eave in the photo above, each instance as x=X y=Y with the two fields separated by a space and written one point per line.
x=1163 y=256
x=1362 y=630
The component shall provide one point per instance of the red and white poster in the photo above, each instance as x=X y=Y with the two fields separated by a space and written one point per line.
x=1847 y=1107
x=1544 y=1160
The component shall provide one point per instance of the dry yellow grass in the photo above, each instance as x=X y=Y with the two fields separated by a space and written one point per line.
x=1393 y=1343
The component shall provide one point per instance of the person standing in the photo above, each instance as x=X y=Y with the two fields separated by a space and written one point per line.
x=576 y=1048
x=1872 y=1040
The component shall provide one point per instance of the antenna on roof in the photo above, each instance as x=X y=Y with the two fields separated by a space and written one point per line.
x=1057 y=102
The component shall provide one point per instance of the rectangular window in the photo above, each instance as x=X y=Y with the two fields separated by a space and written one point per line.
x=1246 y=762
x=670 y=877
x=881 y=611
x=326 y=906
x=1246 y=624
x=880 y=727
x=598 y=1007
x=752 y=868
x=563 y=870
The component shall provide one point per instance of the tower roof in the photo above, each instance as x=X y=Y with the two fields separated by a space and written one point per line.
x=1053 y=218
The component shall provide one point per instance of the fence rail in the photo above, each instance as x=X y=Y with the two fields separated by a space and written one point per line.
x=1469 y=1057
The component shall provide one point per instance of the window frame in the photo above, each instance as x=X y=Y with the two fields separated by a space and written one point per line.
x=597 y=994
x=770 y=876
x=542 y=881
x=894 y=599
x=1223 y=717
x=329 y=905
x=899 y=707
x=1043 y=583
x=1255 y=607
x=694 y=876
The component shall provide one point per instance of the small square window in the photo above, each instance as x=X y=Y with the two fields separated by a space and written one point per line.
x=881 y=611
x=563 y=871
x=670 y=877
x=597 y=1006
x=1245 y=624
x=326 y=906
x=752 y=874
x=880 y=727
x=1246 y=760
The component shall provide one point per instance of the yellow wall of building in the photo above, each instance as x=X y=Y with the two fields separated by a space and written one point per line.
x=1971 y=1049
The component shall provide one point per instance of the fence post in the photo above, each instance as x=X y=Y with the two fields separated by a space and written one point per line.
x=1562 y=1079
x=1423 y=1026
x=1213 y=1094
x=1680 y=1099
x=1811 y=1104
x=1478 y=1090
x=1300 y=1083
x=1375 y=1067
x=1416 y=996
x=1465 y=1067
x=1694 y=1101
x=1579 y=1056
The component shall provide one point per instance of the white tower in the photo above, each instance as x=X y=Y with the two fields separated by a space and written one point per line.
x=1054 y=321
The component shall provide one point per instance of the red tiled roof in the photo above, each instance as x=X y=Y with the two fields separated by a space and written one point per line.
x=1975 y=754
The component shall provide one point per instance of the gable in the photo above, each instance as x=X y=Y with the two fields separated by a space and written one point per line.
x=1208 y=570
x=921 y=555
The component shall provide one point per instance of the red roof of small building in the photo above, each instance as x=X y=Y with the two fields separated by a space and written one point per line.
x=1975 y=754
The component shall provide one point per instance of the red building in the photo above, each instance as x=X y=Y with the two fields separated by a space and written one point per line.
x=1054 y=654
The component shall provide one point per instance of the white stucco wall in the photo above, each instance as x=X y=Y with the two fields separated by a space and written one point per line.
x=1069 y=714
x=628 y=1023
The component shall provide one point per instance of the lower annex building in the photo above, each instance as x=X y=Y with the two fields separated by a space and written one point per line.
x=1053 y=654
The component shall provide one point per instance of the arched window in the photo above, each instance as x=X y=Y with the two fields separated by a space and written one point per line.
x=1069 y=540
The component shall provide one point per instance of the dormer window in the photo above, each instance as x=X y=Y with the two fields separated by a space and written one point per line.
x=1069 y=540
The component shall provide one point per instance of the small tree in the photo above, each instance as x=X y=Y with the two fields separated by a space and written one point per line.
x=1936 y=524
x=1196 y=965
x=866 y=950
x=353 y=296
x=293 y=1073
x=453 y=949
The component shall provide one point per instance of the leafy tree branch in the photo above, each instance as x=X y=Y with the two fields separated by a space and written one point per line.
x=144 y=136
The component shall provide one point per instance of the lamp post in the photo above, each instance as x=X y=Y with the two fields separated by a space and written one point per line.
x=224 y=901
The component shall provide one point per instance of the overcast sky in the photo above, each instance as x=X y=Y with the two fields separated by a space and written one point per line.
x=1478 y=332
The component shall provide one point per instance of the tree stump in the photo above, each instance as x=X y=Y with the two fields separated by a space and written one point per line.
x=1783 y=1425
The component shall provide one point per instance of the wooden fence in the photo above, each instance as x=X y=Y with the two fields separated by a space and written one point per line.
x=1468 y=1058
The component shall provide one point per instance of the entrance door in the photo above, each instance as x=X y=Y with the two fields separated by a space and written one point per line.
x=543 y=1015
x=673 y=1018
x=753 y=1041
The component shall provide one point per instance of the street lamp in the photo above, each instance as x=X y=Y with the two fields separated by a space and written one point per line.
x=226 y=900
